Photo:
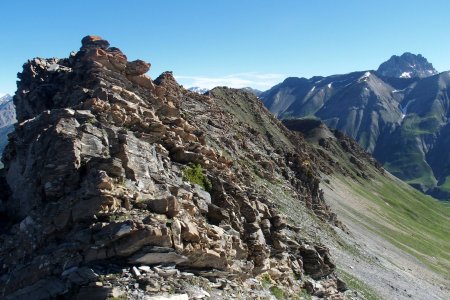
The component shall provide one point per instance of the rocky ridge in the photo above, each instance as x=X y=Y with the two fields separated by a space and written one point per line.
x=96 y=201
x=333 y=143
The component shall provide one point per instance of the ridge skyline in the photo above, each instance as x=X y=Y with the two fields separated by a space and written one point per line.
x=253 y=79
x=204 y=83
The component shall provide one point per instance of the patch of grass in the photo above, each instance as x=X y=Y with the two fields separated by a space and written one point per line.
x=445 y=186
x=414 y=222
x=248 y=111
x=277 y=292
x=352 y=249
x=118 y=218
x=405 y=158
x=303 y=295
x=414 y=125
x=409 y=164
x=266 y=280
x=195 y=174
x=355 y=284
x=92 y=121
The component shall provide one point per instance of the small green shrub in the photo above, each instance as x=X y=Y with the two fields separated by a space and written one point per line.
x=194 y=174
x=304 y=295
x=277 y=292
x=266 y=281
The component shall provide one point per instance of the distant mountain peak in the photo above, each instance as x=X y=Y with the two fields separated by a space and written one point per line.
x=198 y=90
x=252 y=90
x=5 y=98
x=407 y=65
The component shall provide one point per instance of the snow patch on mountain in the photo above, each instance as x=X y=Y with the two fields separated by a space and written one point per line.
x=364 y=77
x=406 y=75
x=198 y=90
x=4 y=98
x=404 y=109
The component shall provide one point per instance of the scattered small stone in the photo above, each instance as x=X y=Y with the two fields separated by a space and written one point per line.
x=200 y=294
x=136 y=272
x=146 y=269
x=186 y=274
x=170 y=297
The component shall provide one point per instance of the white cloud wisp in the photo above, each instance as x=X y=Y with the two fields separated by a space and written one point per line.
x=260 y=81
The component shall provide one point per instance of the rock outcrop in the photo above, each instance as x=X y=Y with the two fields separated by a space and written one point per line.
x=97 y=202
x=331 y=141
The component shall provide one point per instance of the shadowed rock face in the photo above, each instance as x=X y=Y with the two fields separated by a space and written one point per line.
x=93 y=182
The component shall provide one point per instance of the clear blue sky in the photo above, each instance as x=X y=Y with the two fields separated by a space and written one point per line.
x=235 y=42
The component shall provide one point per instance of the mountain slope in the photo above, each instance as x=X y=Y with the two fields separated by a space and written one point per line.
x=7 y=111
x=359 y=104
x=417 y=145
x=402 y=121
x=253 y=91
x=395 y=231
x=7 y=119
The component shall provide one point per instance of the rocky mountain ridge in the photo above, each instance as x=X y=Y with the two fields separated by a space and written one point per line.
x=117 y=185
x=255 y=92
x=5 y=98
x=401 y=121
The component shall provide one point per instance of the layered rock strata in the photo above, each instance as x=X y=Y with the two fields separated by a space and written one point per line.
x=94 y=185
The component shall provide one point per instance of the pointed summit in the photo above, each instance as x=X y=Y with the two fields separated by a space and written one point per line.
x=5 y=98
x=407 y=65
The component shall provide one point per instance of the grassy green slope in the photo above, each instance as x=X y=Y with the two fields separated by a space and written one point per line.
x=405 y=158
x=416 y=223
x=399 y=238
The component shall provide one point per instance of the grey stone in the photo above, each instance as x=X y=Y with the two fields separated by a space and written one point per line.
x=159 y=258
x=43 y=289
x=82 y=276
x=170 y=297
x=136 y=272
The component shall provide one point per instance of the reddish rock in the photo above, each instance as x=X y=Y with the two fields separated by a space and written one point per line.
x=93 y=41
x=137 y=67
